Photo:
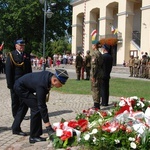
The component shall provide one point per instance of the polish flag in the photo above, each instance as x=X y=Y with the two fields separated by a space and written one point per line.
x=93 y=34
x=112 y=29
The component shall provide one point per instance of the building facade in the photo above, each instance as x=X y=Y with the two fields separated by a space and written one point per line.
x=126 y=20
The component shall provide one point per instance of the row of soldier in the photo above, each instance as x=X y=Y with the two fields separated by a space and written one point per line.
x=83 y=64
x=140 y=67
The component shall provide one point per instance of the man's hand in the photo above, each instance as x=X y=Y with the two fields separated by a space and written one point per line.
x=50 y=131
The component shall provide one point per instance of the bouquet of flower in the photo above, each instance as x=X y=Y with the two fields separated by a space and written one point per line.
x=126 y=127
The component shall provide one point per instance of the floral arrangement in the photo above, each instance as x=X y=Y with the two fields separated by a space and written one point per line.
x=125 y=127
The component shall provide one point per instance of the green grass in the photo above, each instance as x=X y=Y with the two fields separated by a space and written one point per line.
x=118 y=87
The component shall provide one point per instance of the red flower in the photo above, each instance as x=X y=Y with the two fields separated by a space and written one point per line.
x=73 y=124
x=61 y=125
x=142 y=99
x=122 y=127
x=104 y=114
x=106 y=127
x=133 y=102
x=83 y=123
x=66 y=135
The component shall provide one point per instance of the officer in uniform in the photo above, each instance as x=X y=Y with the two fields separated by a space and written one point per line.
x=131 y=65
x=88 y=64
x=137 y=63
x=107 y=67
x=18 y=63
x=78 y=64
x=96 y=73
x=143 y=66
x=33 y=90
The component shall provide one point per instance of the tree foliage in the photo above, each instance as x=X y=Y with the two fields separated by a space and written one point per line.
x=24 y=19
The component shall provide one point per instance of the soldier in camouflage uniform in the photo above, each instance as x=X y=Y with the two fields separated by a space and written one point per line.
x=88 y=64
x=131 y=65
x=96 y=74
x=137 y=63
x=78 y=65
x=143 y=66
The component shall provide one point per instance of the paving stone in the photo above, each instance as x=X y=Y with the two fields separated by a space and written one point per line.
x=60 y=106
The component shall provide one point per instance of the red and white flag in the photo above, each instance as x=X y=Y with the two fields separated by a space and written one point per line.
x=93 y=34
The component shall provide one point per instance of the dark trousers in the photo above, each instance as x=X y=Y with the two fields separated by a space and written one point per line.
x=36 y=120
x=15 y=102
x=88 y=69
x=105 y=91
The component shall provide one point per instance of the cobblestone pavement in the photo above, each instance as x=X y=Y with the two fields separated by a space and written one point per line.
x=59 y=106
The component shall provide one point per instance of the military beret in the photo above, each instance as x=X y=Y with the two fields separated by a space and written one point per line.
x=61 y=75
x=106 y=47
x=20 y=42
x=95 y=42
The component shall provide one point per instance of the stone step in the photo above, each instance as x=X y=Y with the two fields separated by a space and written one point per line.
x=120 y=69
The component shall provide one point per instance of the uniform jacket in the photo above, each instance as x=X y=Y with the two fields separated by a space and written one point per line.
x=107 y=65
x=88 y=61
x=79 y=61
x=131 y=62
x=13 y=72
x=38 y=84
x=96 y=64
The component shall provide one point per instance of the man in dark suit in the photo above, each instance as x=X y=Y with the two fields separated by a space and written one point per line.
x=33 y=90
x=17 y=64
x=78 y=64
x=107 y=67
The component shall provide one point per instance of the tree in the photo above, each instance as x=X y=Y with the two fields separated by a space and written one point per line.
x=24 y=19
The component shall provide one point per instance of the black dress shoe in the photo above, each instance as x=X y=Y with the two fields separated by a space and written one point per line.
x=104 y=104
x=20 y=133
x=36 y=139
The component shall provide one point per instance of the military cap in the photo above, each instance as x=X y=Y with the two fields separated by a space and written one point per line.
x=20 y=42
x=95 y=42
x=88 y=51
x=78 y=52
x=61 y=75
x=106 y=47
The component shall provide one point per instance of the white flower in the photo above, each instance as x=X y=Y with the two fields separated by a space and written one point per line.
x=59 y=132
x=142 y=104
x=134 y=97
x=131 y=139
x=102 y=138
x=100 y=121
x=94 y=140
x=122 y=103
x=94 y=131
x=113 y=129
x=133 y=145
x=86 y=137
x=117 y=141
x=109 y=113
x=138 y=104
